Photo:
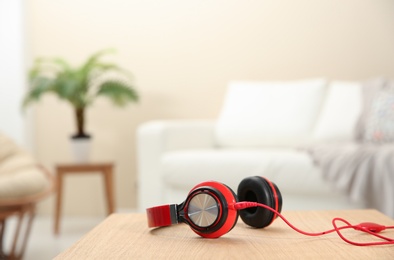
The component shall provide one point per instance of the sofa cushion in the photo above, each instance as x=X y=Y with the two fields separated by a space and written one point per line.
x=22 y=182
x=7 y=147
x=269 y=113
x=188 y=167
x=20 y=175
x=341 y=110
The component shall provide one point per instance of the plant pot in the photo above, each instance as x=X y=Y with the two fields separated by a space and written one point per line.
x=80 y=148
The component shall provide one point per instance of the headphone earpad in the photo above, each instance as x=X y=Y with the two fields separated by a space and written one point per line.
x=258 y=189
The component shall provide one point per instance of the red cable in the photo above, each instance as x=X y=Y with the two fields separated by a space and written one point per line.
x=360 y=227
x=390 y=241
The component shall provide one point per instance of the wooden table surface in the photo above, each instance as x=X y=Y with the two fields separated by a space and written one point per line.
x=126 y=236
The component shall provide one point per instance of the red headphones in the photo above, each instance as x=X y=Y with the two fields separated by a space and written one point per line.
x=209 y=208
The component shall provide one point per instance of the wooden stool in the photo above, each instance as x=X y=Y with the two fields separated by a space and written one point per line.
x=104 y=168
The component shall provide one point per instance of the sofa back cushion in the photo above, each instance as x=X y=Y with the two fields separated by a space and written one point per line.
x=269 y=113
x=341 y=110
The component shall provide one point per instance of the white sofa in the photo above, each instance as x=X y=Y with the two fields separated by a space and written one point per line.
x=263 y=129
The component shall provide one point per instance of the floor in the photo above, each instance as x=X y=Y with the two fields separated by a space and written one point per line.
x=43 y=244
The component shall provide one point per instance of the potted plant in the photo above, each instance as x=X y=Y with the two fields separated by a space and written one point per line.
x=80 y=86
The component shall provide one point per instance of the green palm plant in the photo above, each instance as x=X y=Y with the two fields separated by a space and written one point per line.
x=80 y=86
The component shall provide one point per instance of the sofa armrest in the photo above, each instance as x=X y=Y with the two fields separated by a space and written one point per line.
x=157 y=137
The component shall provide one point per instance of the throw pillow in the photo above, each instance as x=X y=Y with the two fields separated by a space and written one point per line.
x=341 y=110
x=269 y=113
x=379 y=117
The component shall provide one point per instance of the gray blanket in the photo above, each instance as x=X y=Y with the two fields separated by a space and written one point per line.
x=364 y=171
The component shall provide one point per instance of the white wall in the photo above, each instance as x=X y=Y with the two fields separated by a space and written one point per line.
x=12 y=69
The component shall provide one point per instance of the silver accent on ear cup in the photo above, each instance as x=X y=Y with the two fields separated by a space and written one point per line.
x=203 y=210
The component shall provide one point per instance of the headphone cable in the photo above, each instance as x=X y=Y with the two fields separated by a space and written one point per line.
x=369 y=228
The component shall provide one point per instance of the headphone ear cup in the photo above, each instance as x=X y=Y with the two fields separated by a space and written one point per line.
x=258 y=189
x=227 y=216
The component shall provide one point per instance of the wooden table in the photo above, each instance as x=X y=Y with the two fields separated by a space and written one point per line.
x=126 y=236
x=106 y=169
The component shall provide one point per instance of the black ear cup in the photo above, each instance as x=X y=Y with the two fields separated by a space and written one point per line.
x=258 y=189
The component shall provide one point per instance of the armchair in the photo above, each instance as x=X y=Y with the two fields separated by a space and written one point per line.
x=23 y=183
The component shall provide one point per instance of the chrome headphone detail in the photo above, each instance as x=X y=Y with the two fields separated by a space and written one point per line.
x=203 y=210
